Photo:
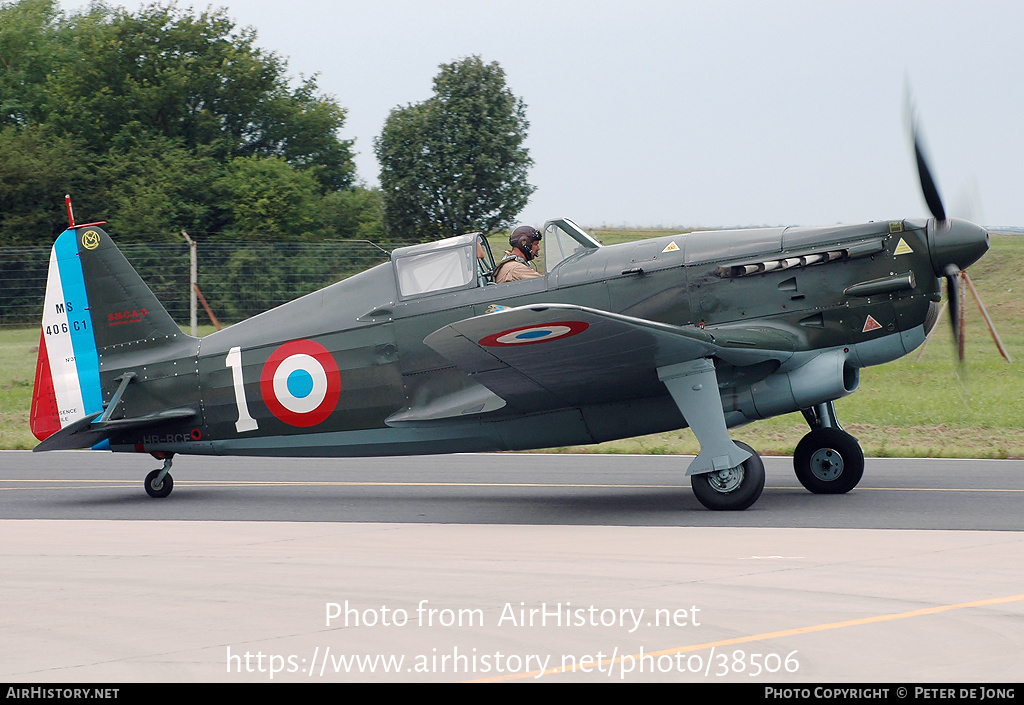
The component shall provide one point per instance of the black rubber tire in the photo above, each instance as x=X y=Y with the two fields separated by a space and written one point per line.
x=163 y=489
x=708 y=487
x=828 y=461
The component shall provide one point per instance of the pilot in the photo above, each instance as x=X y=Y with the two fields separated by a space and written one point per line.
x=515 y=266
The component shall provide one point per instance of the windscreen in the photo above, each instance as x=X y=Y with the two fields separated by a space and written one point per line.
x=562 y=240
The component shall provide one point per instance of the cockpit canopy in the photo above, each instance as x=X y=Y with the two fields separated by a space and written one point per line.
x=446 y=265
x=466 y=261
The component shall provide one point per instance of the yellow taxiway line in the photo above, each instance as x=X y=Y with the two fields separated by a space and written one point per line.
x=591 y=665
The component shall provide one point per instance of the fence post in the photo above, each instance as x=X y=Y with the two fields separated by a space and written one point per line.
x=193 y=275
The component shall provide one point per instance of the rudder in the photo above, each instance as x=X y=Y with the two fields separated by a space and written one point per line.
x=95 y=304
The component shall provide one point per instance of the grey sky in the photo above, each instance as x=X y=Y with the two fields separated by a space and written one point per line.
x=677 y=113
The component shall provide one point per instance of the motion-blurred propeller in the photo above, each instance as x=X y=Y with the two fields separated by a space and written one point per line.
x=928 y=188
x=953 y=243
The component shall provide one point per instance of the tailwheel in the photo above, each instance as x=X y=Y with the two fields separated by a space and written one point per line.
x=159 y=483
x=160 y=488
x=732 y=489
x=828 y=461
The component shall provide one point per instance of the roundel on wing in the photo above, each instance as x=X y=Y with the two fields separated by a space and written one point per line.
x=530 y=335
x=300 y=383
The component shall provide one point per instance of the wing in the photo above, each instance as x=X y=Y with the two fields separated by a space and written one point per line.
x=552 y=355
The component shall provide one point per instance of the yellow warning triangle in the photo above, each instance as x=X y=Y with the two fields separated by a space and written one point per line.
x=671 y=247
x=902 y=248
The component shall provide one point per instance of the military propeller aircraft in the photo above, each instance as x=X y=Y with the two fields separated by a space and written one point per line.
x=425 y=354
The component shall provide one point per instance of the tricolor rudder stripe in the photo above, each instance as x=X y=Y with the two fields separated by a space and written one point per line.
x=67 y=384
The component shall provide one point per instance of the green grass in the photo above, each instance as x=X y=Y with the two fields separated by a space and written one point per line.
x=906 y=408
x=17 y=375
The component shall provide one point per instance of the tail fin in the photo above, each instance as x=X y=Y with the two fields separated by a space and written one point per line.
x=94 y=301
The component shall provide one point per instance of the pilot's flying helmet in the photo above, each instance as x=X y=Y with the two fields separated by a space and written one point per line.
x=523 y=238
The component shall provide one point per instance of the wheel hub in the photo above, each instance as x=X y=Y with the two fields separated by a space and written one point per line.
x=826 y=464
x=725 y=481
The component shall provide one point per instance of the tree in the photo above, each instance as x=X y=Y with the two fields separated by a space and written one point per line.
x=28 y=44
x=195 y=79
x=269 y=197
x=143 y=117
x=34 y=176
x=456 y=162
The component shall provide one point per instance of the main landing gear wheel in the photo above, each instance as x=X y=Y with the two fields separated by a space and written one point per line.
x=159 y=490
x=828 y=461
x=732 y=489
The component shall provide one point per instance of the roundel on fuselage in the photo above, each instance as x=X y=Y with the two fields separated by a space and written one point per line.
x=300 y=383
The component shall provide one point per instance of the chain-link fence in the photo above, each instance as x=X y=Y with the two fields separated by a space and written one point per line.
x=238 y=280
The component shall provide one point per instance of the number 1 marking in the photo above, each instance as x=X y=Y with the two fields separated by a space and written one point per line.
x=245 y=421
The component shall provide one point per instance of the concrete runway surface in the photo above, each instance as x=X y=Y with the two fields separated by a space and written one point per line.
x=94 y=592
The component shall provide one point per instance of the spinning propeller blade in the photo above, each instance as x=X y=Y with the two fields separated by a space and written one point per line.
x=954 y=244
x=928 y=188
x=955 y=308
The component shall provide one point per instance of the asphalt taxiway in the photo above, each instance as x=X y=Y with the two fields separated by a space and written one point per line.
x=512 y=566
